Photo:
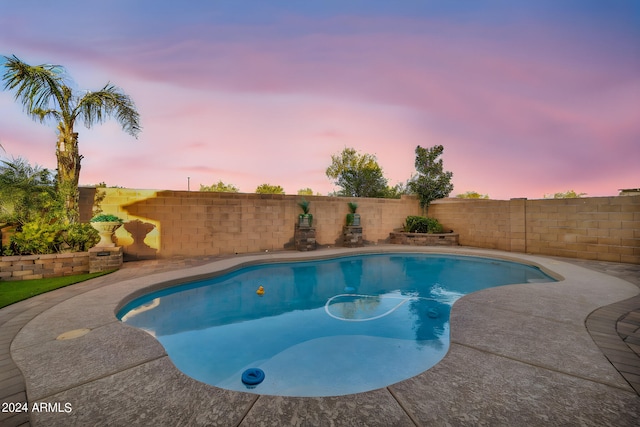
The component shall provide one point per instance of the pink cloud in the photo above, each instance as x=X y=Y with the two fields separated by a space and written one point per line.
x=515 y=114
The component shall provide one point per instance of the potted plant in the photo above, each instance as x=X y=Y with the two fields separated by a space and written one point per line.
x=305 y=219
x=353 y=218
x=106 y=225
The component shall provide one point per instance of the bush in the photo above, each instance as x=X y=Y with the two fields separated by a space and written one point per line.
x=79 y=237
x=26 y=192
x=29 y=201
x=421 y=224
x=38 y=237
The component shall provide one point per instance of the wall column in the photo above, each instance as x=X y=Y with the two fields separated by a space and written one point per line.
x=518 y=220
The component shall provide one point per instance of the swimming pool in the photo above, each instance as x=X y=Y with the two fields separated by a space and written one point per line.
x=321 y=328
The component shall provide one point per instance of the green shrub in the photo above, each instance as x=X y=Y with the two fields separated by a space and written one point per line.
x=421 y=224
x=350 y=219
x=38 y=237
x=304 y=205
x=26 y=192
x=79 y=237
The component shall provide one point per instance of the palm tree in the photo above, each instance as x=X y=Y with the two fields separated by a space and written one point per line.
x=25 y=191
x=45 y=93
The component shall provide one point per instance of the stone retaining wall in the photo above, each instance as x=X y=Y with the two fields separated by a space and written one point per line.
x=26 y=267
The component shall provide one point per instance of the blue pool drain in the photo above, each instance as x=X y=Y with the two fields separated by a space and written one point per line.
x=253 y=376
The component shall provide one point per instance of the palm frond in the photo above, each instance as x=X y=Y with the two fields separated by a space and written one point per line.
x=110 y=101
x=42 y=115
x=37 y=87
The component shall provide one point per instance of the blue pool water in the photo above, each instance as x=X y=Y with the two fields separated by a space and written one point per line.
x=322 y=328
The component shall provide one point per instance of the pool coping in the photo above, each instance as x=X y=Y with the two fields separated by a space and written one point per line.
x=500 y=368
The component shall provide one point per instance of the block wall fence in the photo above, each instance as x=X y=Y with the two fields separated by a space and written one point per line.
x=162 y=224
x=180 y=223
x=593 y=228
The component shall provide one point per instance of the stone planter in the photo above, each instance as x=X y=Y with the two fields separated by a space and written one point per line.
x=106 y=231
x=423 y=239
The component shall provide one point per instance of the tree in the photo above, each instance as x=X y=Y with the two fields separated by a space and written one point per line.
x=269 y=189
x=566 y=195
x=397 y=191
x=26 y=191
x=220 y=187
x=431 y=182
x=305 y=192
x=45 y=93
x=359 y=175
x=472 y=195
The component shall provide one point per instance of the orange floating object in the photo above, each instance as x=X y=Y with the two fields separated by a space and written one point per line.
x=260 y=290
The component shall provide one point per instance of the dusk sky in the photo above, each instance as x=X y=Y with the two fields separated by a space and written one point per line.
x=527 y=97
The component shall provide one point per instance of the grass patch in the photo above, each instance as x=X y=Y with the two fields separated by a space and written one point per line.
x=18 y=290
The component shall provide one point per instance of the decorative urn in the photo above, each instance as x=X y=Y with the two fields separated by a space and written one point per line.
x=106 y=226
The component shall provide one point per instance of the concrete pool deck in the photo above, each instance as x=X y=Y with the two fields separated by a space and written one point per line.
x=519 y=355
